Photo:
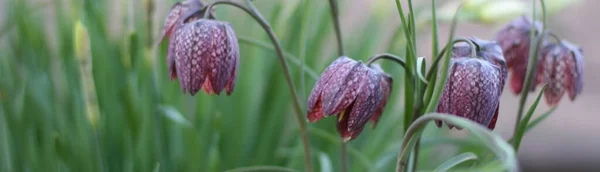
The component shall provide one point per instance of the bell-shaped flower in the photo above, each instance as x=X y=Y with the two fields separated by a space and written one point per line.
x=353 y=92
x=514 y=39
x=474 y=85
x=202 y=53
x=561 y=67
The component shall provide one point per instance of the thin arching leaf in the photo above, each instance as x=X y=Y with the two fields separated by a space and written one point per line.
x=174 y=115
x=454 y=161
x=503 y=151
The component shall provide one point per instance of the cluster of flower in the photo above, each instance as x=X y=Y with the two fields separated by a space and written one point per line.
x=203 y=54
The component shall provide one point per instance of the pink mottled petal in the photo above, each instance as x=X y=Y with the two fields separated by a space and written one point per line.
x=492 y=124
x=554 y=73
x=207 y=87
x=316 y=113
x=317 y=90
x=171 y=20
x=574 y=63
x=233 y=57
x=516 y=81
x=472 y=90
x=367 y=102
x=343 y=87
x=188 y=56
x=386 y=88
x=346 y=133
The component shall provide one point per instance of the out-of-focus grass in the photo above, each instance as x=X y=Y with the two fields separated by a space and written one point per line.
x=145 y=120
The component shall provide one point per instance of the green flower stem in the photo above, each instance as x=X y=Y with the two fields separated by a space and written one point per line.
x=553 y=35
x=299 y=115
x=532 y=65
x=432 y=73
x=343 y=158
x=387 y=56
x=521 y=130
x=336 y=22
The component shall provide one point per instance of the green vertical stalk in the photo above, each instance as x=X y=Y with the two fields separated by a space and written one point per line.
x=536 y=41
x=254 y=13
x=434 y=50
x=336 y=22
x=303 y=42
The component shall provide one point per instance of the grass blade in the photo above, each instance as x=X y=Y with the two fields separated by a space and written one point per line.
x=458 y=159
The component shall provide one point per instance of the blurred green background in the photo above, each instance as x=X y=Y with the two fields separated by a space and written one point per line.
x=145 y=123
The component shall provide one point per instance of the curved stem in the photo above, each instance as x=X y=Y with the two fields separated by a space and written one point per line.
x=265 y=25
x=553 y=35
x=532 y=63
x=336 y=22
x=387 y=56
x=433 y=68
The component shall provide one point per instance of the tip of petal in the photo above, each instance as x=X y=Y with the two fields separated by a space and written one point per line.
x=346 y=139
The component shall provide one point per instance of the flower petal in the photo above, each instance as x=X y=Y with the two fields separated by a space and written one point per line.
x=343 y=87
x=315 y=107
x=368 y=100
x=386 y=89
x=174 y=14
x=472 y=90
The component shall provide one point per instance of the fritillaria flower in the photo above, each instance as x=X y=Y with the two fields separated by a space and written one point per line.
x=561 y=67
x=474 y=85
x=353 y=92
x=514 y=39
x=202 y=53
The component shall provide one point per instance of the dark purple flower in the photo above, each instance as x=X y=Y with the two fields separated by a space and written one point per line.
x=514 y=39
x=561 y=67
x=202 y=53
x=352 y=91
x=474 y=85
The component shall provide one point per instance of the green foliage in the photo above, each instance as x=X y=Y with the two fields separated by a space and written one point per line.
x=146 y=123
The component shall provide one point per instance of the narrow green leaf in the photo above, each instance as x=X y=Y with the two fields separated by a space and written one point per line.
x=458 y=159
x=262 y=168
x=538 y=120
x=523 y=125
x=174 y=115
x=439 y=86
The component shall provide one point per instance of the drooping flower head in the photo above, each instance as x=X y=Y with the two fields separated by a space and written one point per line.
x=514 y=39
x=202 y=53
x=561 y=67
x=353 y=92
x=474 y=85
